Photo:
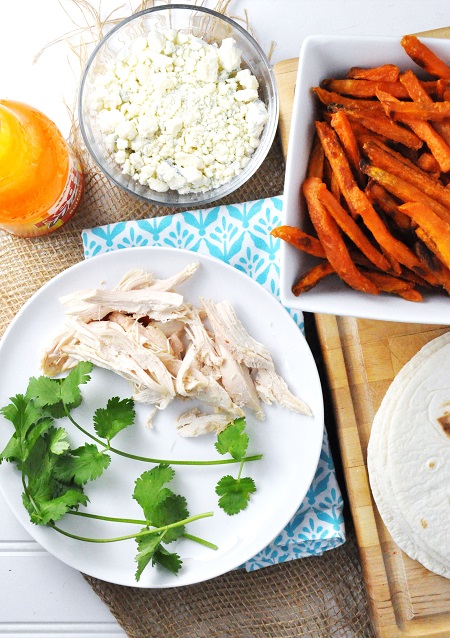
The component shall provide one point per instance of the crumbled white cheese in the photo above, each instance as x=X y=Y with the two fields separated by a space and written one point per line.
x=178 y=113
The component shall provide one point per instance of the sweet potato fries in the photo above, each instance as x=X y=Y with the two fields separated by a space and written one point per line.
x=377 y=187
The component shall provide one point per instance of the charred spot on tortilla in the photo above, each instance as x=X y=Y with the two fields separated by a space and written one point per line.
x=444 y=422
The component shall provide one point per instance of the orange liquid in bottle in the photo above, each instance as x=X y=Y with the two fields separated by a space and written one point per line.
x=41 y=182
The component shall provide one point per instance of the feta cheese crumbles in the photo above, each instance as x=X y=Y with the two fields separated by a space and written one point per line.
x=178 y=113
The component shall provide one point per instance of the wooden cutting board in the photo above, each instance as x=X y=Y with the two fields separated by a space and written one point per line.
x=362 y=357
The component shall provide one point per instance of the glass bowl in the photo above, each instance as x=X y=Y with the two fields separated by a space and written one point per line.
x=212 y=27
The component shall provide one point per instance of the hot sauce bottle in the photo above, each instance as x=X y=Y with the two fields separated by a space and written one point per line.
x=41 y=181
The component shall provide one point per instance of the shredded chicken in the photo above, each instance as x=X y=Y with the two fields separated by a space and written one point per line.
x=107 y=344
x=237 y=381
x=191 y=382
x=230 y=332
x=194 y=423
x=136 y=279
x=91 y=305
x=145 y=331
x=272 y=388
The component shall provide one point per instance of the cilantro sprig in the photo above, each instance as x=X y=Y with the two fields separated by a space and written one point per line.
x=58 y=397
x=54 y=475
x=234 y=493
x=166 y=516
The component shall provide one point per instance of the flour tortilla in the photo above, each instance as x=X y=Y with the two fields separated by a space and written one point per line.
x=409 y=457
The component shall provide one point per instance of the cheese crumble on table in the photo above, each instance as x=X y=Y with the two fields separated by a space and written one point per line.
x=178 y=113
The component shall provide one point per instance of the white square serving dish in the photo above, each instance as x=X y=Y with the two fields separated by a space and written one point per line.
x=325 y=57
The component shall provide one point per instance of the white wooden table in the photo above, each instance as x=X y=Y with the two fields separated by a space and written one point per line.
x=39 y=595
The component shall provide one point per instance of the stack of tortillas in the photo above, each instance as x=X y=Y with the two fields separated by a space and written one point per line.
x=409 y=457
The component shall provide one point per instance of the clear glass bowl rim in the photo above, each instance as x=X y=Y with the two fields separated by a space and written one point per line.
x=214 y=194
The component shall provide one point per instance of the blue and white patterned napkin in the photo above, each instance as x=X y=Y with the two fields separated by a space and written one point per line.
x=240 y=235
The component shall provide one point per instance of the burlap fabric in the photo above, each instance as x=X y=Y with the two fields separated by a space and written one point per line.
x=313 y=597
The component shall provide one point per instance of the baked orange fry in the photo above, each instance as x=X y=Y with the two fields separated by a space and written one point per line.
x=442 y=87
x=357 y=201
x=330 y=180
x=343 y=128
x=424 y=57
x=334 y=186
x=299 y=239
x=387 y=283
x=330 y=97
x=312 y=277
x=437 y=273
x=368 y=88
x=380 y=197
x=401 y=157
x=441 y=277
x=350 y=228
x=414 y=88
x=398 y=110
x=410 y=295
x=427 y=162
x=363 y=134
x=382 y=73
x=411 y=276
x=431 y=245
x=332 y=241
x=443 y=130
x=363 y=88
x=437 y=145
x=316 y=159
x=423 y=129
x=404 y=190
x=396 y=164
x=436 y=228
x=395 y=266
x=393 y=285
x=381 y=124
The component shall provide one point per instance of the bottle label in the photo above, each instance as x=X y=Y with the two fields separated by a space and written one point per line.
x=68 y=202
x=61 y=211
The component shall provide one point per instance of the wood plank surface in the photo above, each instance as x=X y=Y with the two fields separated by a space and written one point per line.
x=362 y=357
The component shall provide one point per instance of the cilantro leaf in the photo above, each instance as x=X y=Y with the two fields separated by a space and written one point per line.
x=22 y=413
x=147 y=546
x=43 y=391
x=70 y=390
x=12 y=451
x=37 y=431
x=29 y=423
x=233 y=440
x=170 y=510
x=169 y=560
x=151 y=549
x=117 y=415
x=83 y=464
x=53 y=509
x=58 y=442
x=161 y=506
x=234 y=493
x=149 y=491
x=59 y=394
x=47 y=496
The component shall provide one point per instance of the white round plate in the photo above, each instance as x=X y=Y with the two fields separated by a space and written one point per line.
x=290 y=442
